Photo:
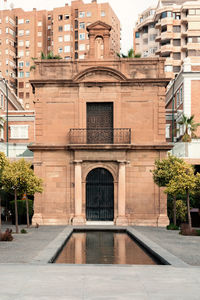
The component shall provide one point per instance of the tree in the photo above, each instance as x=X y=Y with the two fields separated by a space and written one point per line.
x=189 y=128
x=130 y=54
x=50 y=55
x=183 y=181
x=3 y=162
x=19 y=178
x=164 y=171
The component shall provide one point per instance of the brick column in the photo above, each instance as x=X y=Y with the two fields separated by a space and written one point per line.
x=78 y=218
x=121 y=218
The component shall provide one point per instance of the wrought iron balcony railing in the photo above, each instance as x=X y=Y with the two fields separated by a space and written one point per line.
x=100 y=136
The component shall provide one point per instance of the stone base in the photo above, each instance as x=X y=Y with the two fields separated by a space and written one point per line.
x=121 y=221
x=37 y=219
x=78 y=221
x=163 y=221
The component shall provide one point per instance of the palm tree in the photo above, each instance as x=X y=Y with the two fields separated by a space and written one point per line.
x=130 y=54
x=189 y=128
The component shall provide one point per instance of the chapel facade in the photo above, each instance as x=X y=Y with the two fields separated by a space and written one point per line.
x=100 y=125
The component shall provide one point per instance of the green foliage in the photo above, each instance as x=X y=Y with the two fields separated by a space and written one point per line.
x=21 y=204
x=130 y=54
x=183 y=180
x=18 y=176
x=172 y=227
x=190 y=128
x=23 y=231
x=165 y=170
x=181 y=211
x=198 y=232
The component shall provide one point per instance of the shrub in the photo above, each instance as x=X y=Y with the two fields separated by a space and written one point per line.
x=6 y=236
x=23 y=230
x=21 y=204
x=172 y=227
x=181 y=211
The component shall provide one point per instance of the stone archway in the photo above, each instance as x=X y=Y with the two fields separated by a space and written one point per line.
x=99 y=195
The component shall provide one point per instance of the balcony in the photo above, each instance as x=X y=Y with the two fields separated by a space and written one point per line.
x=100 y=136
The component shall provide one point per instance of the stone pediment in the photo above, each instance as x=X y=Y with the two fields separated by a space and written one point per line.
x=100 y=74
x=99 y=25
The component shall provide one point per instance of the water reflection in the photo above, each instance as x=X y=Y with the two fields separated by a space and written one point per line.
x=98 y=247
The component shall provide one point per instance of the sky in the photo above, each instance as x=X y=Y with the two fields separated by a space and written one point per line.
x=126 y=10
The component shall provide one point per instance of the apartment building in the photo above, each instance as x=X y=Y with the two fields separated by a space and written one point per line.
x=17 y=125
x=182 y=98
x=170 y=30
x=25 y=34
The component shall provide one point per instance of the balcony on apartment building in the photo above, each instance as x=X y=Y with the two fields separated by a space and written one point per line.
x=100 y=136
x=187 y=150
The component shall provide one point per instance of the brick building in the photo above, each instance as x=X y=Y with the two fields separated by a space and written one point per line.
x=100 y=125
x=171 y=30
x=25 y=34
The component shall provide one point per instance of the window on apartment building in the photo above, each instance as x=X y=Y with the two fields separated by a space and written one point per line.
x=145 y=29
x=27 y=21
x=181 y=95
x=89 y=14
x=21 y=85
x=27 y=85
x=21 y=64
x=66 y=49
x=27 y=105
x=81 y=14
x=7 y=29
x=176 y=55
x=20 y=21
x=19 y=131
x=177 y=99
x=27 y=44
x=145 y=41
x=39 y=33
x=76 y=46
x=40 y=23
x=76 y=55
x=177 y=28
x=49 y=27
x=176 y=69
x=76 y=35
x=67 y=27
x=21 y=43
x=103 y=13
x=177 y=16
x=21 y=74
x=60 y=17
x=21 y=95
x=27 y=74
x=60 y=28
x=60 y=39
x=152 y=25
x=82 y=47
x=27 y=32
x=67 y=57
x=27 y=53
x=82 y=36
x=82 y=56
x=76 y=13
x=82 y=25
x=164 y=29
x=67 y=38
x=176 y=42
x=0 y=21
x=60 y=50
x=167 y=131
x=49 y=48
x=49 y=17
x=66 y=17
x=137 y=35
x=21 y=32
x=168 y=68
x=76 y=24
x=21 y=53
x=27 y=95
x=2 y=100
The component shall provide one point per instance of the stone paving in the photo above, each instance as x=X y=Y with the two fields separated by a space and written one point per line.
x=21 y=279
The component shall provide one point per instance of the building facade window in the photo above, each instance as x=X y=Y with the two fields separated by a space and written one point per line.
x=82 y=36
x=167 y=131
x=60 y=28
x=21 y=74
x=67 y=38
x=67 y=27
x=82 y=25
x=19 y=131
x=66 y=49
x=103 y=13
x=89 y=13
x=81 y=14
x=21 y=21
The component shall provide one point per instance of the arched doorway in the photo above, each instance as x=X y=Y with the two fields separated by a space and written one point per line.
x=99 y=195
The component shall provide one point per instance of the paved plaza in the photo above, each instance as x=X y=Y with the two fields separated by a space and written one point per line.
x=23 y=277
